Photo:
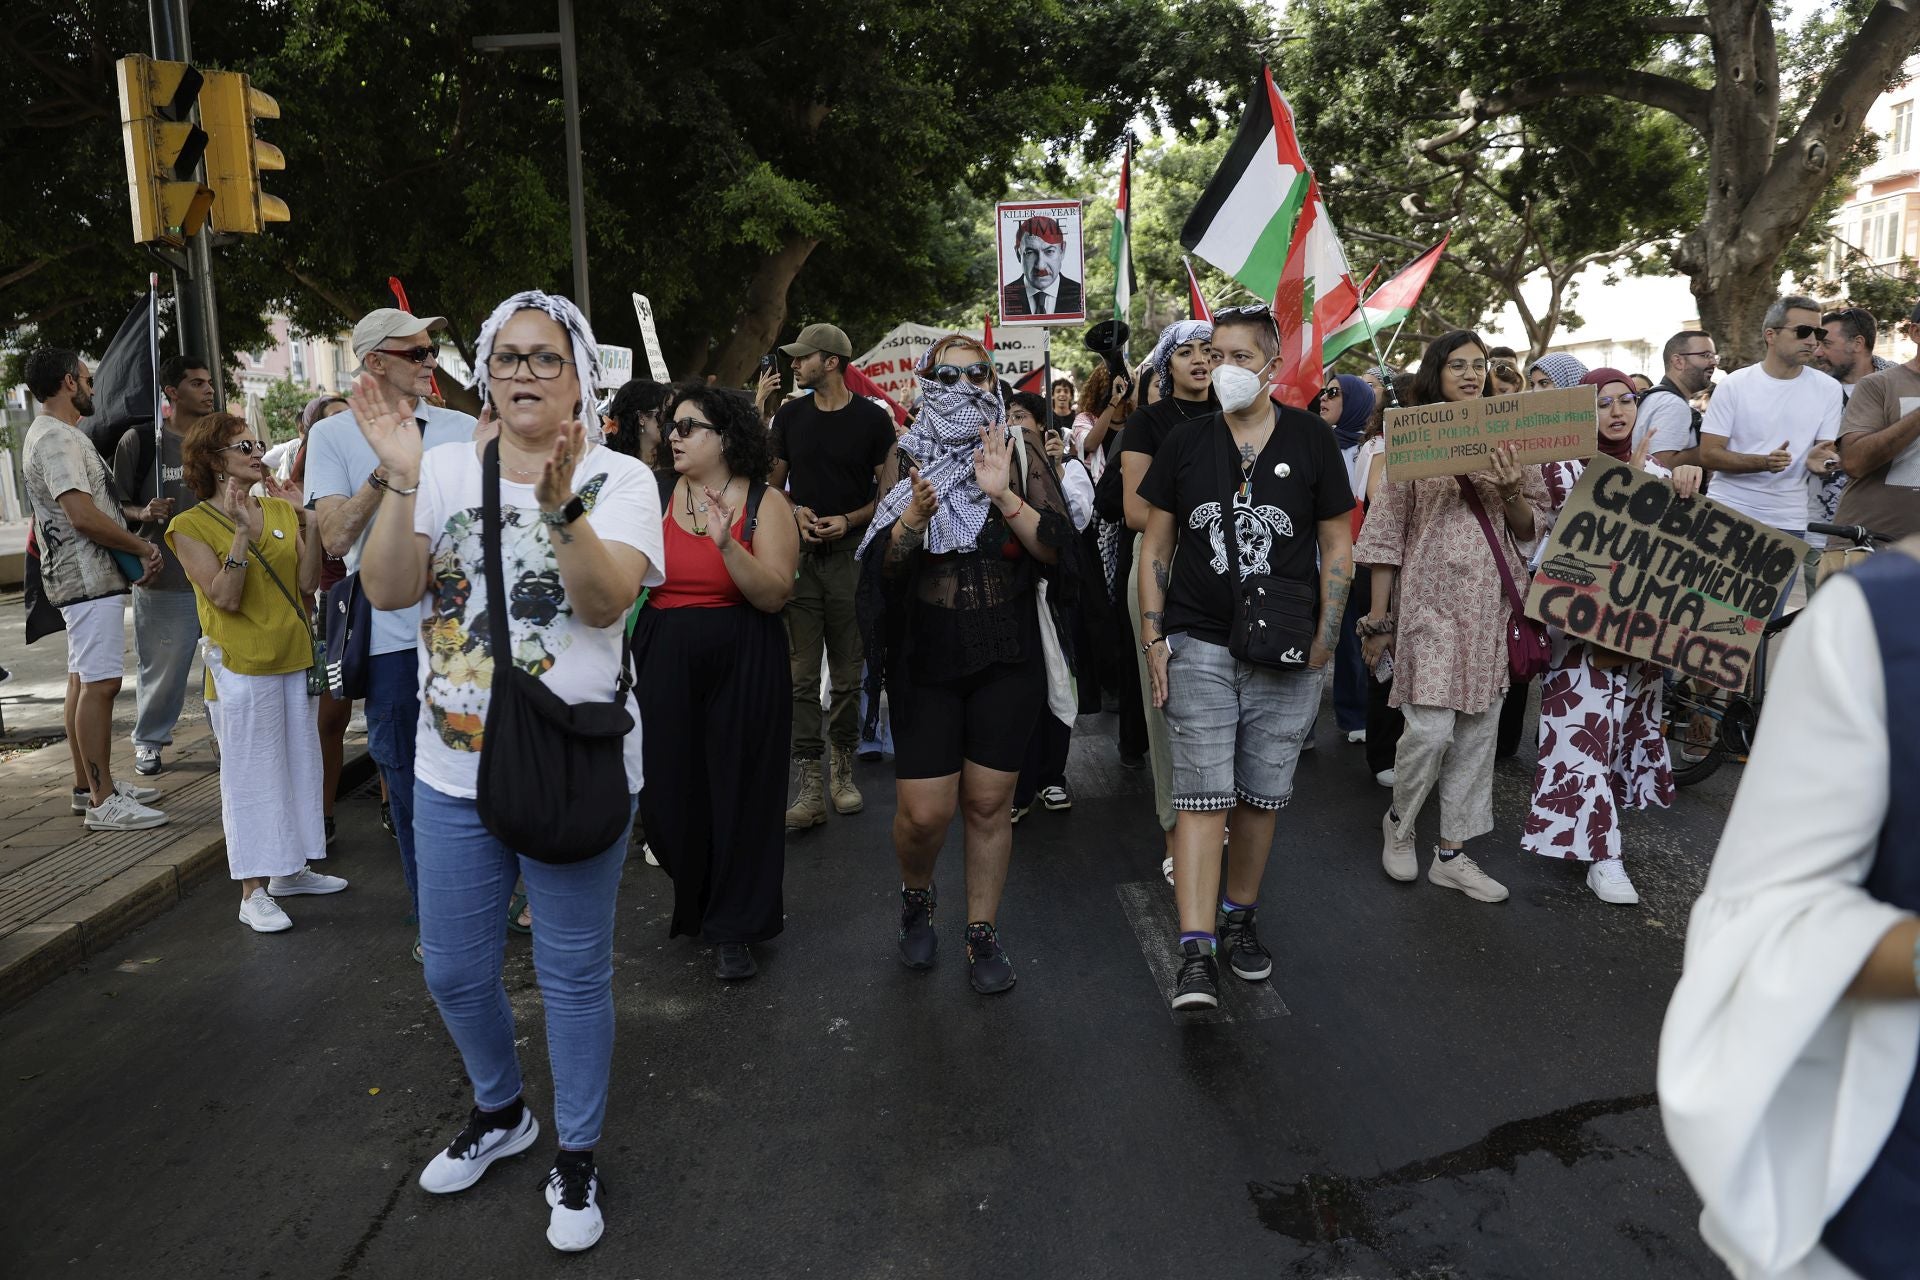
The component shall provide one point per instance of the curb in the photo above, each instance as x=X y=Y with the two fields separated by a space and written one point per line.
x=36 y=954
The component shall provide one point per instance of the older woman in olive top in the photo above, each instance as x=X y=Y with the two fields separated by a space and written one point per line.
x=251 y=561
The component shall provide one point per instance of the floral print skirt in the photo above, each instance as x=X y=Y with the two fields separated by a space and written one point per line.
x=1601 y=751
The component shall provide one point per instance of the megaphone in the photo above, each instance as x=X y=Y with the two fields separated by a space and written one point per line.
x=1108 y=340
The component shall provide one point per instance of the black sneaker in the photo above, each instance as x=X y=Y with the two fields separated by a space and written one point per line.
x=330 y=833
x=917 y=940
x=733 y=961
x=1198 y=986
x=1241 y=945
x=386 y=817
x=988 y=968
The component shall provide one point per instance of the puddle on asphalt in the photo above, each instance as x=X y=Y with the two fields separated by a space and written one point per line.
x=1325 y=1209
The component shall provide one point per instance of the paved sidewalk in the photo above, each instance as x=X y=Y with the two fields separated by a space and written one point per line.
x=66 y=892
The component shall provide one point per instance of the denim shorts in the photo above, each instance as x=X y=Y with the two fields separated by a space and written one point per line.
x=1236 y=728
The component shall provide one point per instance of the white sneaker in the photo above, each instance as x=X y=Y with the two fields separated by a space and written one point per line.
x=1608 y=880
x=469 y=1154
x=121 y=812
x=648 y=850
x=83 y=799
x=574 y=1197
x=1055 y=799
x=305 y=880
x=1356 y=735
x=1463 y=873
x=1386 y=778
x=262 y=914
x=1166 y=869
x=146 y=761
x=1397 y=856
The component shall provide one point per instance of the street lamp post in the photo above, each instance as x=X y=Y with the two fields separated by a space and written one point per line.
x=570 y=94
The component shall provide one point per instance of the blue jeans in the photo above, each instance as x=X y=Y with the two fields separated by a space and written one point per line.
x=1235 y=728
x=466 y=881
x=1350 y=675
x=393 y=711
x=166 y=632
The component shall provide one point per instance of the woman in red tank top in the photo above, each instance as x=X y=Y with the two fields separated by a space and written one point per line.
x=716 y=706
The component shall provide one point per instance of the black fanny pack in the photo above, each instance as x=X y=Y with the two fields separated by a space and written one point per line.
x=1273 y=621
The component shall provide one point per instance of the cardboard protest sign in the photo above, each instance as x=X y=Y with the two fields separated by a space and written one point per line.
x=650 y=338
x=1455 y=437
x=1042 y=267
x=1684 y=582
x=1017 y=352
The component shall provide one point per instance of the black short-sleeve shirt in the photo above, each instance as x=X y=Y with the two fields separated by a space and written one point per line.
x=831 y=457
x=1196 y=476
x=1148 y=427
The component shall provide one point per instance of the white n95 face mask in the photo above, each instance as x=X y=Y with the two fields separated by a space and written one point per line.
x=1236 y=387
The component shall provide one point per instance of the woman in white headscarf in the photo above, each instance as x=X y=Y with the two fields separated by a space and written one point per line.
x=970 y=521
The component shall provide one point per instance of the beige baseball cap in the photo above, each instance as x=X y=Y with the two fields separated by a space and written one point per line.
x=819 y=337
x=390 y=322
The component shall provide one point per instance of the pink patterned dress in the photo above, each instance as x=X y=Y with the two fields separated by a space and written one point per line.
x=1601 y=749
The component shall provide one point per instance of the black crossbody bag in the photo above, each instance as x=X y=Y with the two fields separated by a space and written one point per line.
x=553 y=774
x=1273 y=617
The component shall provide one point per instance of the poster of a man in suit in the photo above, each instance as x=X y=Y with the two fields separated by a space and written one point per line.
x=1041 y=264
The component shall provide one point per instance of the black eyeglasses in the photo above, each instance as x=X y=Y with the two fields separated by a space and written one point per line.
x=683 y=427
x=948 y=374
x=247 y=447
x=1804 y=331
x=545 y=365
x=415 y=355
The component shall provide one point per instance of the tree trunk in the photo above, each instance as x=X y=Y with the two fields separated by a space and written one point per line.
x=763 y=312
x=1732 y=307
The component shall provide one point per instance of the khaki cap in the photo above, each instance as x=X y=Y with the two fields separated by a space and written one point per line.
x=819 y=337
x=390 y=322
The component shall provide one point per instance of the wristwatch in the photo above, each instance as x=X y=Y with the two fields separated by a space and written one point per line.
x=575 y=508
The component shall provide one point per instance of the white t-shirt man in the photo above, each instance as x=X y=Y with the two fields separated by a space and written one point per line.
x=1758 y=413
x=577 y=662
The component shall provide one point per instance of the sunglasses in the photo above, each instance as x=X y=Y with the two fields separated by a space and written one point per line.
x=414 y=355
x=1805 y=331
x=247 y=447
x=684 y=427
x=1331 y=391
x=949 y=374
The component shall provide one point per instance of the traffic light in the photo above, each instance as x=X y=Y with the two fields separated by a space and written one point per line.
x=163 y=148
x=229 y=104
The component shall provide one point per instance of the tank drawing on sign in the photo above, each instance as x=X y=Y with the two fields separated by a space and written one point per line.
x=1571 y=569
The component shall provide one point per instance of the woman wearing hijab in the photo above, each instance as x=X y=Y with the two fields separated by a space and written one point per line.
x=1440 y=610
x=1179 y=377
x=580 y=537
x=969 y=524
x=1557 y=370
x=1601 y=746
x=1346 y=403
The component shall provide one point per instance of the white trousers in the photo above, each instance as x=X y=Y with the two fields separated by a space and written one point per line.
x=270 y=773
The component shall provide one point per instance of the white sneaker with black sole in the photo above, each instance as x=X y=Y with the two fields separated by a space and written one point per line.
x=83 y=799
x=305 y=880
x=573 y=1195
x=262 y=914
x=119 y=812
x=468 y=1155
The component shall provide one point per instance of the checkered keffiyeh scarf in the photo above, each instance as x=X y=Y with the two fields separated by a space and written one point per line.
x=1180 y=331
x=941 y=443
x=1562 y=368
x=586 y=351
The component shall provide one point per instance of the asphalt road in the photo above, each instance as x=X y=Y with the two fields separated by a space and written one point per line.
x=1432 y=1087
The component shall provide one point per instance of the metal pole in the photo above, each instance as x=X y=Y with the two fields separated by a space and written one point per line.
x=193 y=298
x=576 y=182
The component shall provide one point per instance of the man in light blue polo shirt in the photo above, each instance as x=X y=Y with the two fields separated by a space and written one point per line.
x=343 y=490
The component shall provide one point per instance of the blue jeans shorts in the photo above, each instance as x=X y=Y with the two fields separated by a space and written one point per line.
x=1236 y=729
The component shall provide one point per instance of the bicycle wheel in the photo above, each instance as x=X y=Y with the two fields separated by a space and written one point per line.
x=1691 y=720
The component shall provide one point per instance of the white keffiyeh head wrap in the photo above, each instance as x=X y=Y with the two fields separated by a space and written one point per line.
x=586 y=351
x=1174 y=335
x=942 y=443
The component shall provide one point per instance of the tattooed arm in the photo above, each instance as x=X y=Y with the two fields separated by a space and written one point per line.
x=1336 y=584
x=1156 y=557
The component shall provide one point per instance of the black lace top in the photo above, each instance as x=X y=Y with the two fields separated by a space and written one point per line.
x=944 y=617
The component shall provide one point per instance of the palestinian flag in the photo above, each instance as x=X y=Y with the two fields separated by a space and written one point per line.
x=1390 y=304
x=1196 y=299
x=1244 y=221
x=1121 y=250
x=1316 y=289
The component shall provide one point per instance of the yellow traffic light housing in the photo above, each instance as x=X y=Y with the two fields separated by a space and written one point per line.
x=163 y=148
x=229 y=104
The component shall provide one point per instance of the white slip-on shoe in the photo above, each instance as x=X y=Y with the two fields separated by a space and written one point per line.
x=1356 y=735
x=469 y=1154
x=120 y=812
x=262 y=914
x=1386 y=778
x=1608 y=880
x=1397 y=856
x=1463 y=873
x=573 y=1194
x=305 y=880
